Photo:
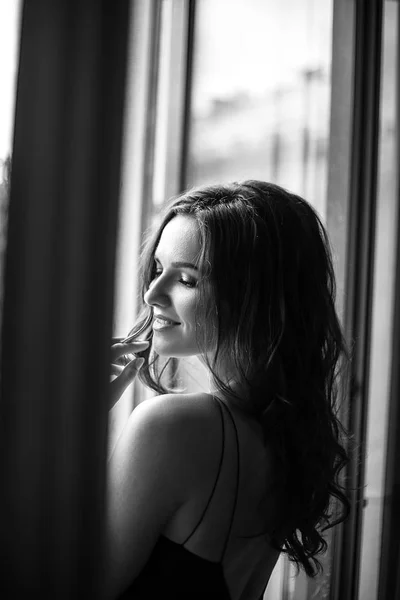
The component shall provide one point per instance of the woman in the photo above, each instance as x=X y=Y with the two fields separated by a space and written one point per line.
x=206 y=489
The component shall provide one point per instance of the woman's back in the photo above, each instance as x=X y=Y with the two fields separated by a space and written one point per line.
x=218 y=539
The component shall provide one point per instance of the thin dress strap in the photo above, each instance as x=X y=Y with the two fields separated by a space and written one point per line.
x=216 y=479
x=237 y=482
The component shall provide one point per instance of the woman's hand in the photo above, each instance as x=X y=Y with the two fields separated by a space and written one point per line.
x=124 y=366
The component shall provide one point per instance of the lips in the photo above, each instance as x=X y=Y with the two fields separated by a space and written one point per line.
x=166 y=319
x=161 y=322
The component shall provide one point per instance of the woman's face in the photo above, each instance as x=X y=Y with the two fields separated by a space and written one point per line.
x=173 y=292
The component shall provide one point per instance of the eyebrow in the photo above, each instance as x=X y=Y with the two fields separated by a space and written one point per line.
x=181 y=264
x=187 y=265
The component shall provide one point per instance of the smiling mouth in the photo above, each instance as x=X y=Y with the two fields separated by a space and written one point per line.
x=163 y=323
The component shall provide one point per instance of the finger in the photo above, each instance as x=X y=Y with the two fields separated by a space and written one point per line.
x=119 y=349
x=116 y=369
x=124 y=359
x=125 y=378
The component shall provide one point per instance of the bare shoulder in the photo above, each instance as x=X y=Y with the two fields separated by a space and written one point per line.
x=184 y=426
x=176 y=409
x=158 y=464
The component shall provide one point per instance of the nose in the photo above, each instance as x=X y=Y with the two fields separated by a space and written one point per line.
x=157 y=294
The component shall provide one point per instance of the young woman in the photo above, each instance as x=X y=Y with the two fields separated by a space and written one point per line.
x=206 y=489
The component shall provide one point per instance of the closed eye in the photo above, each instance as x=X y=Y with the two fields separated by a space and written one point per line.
x=191 y=283
x=185 y=280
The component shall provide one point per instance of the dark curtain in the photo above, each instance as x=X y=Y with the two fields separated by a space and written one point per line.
x=59 y=281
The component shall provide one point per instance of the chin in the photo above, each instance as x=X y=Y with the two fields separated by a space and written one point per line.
x=174 y=351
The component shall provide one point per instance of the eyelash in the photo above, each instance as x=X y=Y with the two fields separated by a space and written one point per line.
x=185 y=282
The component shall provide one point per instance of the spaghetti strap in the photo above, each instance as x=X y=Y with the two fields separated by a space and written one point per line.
x=216 y=479
x=237 y=482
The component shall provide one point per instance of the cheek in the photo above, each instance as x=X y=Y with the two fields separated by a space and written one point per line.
x=187 y=310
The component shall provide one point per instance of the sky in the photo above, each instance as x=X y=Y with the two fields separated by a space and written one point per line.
x=9 y=37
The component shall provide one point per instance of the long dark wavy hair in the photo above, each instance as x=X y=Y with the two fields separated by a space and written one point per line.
x=267 y=302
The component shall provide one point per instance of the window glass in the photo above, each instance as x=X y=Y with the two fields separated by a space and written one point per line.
x=9 y=47
x=261 y=94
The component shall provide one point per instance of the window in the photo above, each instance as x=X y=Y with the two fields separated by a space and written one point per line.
x=261 y=94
